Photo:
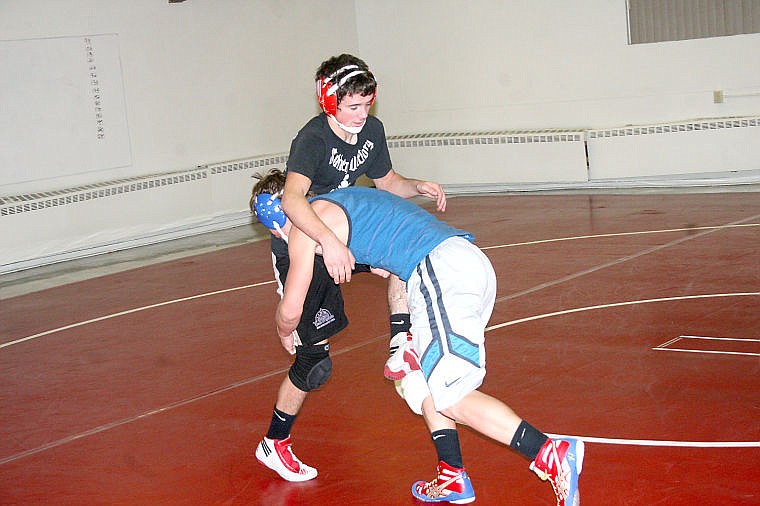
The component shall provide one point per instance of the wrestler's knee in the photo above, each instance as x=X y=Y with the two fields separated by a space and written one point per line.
x=312 y=366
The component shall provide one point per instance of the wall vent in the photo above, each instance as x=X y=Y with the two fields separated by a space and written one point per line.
x=484 y=138
x=28 y=202
x=699 y=146
x=267 y=161
x=43 y=200
x=15 y=204
x=690 y=126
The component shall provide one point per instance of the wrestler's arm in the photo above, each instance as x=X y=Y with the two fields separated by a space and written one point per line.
x=405 y=187
x=301 y=251
x=338 y=259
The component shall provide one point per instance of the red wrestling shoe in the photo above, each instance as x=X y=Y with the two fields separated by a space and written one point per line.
x=560 y=461
x=452 y=485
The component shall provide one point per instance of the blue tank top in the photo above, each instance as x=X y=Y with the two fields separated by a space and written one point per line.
x=378 y=219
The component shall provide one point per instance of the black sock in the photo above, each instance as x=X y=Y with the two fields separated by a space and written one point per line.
x=528 y=440
x=400 y=323
x=446 y=443
x=281 y=425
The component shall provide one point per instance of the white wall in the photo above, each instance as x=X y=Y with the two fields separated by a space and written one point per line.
x=449 y=65
x=484 y=65
x=204 y=81
x=207 y=82
x=201 y=82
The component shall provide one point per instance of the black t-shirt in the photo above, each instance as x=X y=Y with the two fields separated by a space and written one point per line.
x=330 y=162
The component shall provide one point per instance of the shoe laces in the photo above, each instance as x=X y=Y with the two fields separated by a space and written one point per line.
x=557 y=476
x=436 y=488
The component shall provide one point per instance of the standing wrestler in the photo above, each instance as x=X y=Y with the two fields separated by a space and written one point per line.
x=451 y=288
x=331 y=151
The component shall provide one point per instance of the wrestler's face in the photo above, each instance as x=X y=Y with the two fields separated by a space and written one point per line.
x=353 y=110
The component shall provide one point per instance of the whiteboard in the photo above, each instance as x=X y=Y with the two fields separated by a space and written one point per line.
x=62 y=108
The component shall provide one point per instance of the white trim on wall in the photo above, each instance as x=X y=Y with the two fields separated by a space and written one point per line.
x=49 y=227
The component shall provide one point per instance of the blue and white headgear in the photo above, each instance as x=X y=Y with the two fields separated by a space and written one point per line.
x=269 y=211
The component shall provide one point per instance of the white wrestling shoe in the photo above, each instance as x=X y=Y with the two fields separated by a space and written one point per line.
x=278 y=456
x=404 y=358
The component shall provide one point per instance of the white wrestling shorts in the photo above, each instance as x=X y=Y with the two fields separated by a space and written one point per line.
x=451 y=297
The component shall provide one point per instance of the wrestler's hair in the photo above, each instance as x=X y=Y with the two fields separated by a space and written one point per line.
x=271 y=182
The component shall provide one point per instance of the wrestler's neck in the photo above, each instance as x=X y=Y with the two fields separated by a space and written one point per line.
x=345 y=135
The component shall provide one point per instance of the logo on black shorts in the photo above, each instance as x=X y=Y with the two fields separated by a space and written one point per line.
x=323 y=317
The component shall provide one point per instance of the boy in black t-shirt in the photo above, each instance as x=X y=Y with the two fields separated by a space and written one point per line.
x=331 y=151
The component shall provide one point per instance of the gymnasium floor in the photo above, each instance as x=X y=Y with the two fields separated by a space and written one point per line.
x=631 y=321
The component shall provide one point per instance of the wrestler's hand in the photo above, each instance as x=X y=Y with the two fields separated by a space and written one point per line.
x=433 y=190
x=286 y=328
x=338 y=259
x=288 y=342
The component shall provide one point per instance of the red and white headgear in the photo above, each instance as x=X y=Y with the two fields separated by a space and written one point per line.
x=327 y=87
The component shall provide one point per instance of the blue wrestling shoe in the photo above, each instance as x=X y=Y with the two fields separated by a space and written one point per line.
x=560 y=461
x=452 y=485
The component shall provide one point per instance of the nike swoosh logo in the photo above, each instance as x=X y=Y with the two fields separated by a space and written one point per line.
x=438 y=436
x=278 y=416
x=450 y=383
x=398 y=323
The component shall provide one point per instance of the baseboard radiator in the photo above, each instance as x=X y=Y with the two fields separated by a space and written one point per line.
x=48 y=227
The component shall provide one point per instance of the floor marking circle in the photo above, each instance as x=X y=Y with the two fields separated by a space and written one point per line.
x=705 y=231
x=641 y=442
x=661 y=442
x=618 y=304
x=130 y=311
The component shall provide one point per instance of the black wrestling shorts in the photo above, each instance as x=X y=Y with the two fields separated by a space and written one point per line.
x=323 y=313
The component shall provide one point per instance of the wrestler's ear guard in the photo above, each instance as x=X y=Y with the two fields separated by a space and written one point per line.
x=269 y=211
x=327 y=88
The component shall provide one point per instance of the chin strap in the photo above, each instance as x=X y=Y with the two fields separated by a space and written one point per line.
x=351 y=130
x=283 y=235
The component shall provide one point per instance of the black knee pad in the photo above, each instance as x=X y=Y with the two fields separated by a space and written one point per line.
x=312 y=366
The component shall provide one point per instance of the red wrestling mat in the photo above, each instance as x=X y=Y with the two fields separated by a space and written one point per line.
x=632 y=322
